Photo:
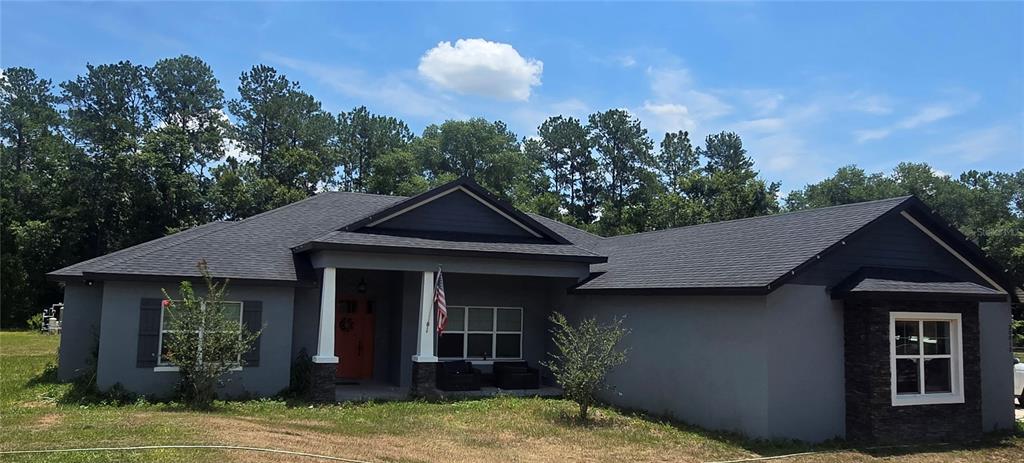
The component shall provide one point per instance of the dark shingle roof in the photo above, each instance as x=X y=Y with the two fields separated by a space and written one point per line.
x=886 y=285
x=870 y=281
x=578 y=237
x=131 y=252
x=257 y=248
x=744 y=253
x=261 y=247
x=351 y=240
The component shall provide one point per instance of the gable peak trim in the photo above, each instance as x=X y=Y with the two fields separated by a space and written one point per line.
x=952 y=251
x=457 y=188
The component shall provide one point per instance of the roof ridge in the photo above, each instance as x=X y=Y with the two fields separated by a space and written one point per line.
x=534 y=214
x=838 y=206
x=364 y=194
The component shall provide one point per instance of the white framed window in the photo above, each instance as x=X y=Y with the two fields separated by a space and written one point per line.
x=231 y=310
x=926 y=358
x=482 y=333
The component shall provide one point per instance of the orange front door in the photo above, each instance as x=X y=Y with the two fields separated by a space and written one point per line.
x=353 y=337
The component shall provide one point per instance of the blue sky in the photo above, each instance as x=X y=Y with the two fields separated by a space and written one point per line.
x=809 y=87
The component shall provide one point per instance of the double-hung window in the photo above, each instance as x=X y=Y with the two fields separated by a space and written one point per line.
x=926 y=358
x=482 y=333
x=229 y=310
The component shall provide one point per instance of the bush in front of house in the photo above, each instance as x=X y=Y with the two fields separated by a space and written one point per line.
x=35 y=322
x=584 y=353
x=204 y=343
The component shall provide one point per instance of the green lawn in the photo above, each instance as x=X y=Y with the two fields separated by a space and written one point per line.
x=36 y=412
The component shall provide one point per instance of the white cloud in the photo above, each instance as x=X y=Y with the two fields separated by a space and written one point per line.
x=926 y=115
x=765 y=124
x=397 y=91
x=871 y=134
x=677 y=104
x=481 y=67
x=676 y=86
x=981 y=144
x=870 y=104
x=667 y=117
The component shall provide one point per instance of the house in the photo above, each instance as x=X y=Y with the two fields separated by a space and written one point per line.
x=873 y=321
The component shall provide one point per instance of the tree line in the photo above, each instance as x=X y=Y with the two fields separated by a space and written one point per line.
x=124 y=153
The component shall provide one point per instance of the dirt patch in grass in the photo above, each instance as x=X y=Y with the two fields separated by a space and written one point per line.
x=426 y=446
x=47 y=421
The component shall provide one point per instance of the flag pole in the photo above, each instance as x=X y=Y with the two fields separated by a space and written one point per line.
x=434 y=308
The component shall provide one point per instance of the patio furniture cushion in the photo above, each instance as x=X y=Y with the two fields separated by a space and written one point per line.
x=516 y=375
x=457 y=375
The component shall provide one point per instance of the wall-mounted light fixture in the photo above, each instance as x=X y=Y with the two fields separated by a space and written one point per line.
x=361 y=287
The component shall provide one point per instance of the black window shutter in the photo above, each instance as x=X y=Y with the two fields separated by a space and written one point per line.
x=252 y=320
x=149 y=333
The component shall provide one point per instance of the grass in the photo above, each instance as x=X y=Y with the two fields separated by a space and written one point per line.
x=37 y=412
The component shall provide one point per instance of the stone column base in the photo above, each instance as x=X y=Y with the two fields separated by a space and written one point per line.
x=424 y=380
x=322 y=385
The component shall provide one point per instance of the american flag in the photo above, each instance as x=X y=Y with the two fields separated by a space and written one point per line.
x=439 y=303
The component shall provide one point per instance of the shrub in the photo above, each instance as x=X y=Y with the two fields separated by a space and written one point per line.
x=206 y=345
x=35 y=322
x=584 y=355
x=302 y=375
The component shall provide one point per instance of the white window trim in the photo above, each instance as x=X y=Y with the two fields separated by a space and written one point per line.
x=164 y=367
x=956 y=360
x=465 y=332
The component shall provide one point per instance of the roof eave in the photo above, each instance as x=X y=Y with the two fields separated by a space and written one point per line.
x=680 y=291
x=919 y=295
x=323 y=246
x=114 y=276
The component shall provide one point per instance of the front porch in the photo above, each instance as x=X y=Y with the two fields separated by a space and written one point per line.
x=375 y=333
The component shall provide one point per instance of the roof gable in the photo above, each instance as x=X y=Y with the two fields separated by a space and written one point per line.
x=458 y=209
x=745 y=255
x=759 y=254
x=455 y=211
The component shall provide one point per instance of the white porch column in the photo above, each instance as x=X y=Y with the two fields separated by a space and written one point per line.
x=325 y=342
x=425 y=333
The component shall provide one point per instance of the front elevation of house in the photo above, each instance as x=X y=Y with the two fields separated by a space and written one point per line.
x=872 y=321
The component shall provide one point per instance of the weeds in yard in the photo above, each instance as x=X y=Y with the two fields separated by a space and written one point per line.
x=35 y=407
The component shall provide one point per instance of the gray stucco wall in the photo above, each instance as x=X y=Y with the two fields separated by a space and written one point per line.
x=996 y=366
x=696 y=359
x=306 y=322
x=120 y=325
x=804 y=352
x=81 y=328
x=763 y=366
